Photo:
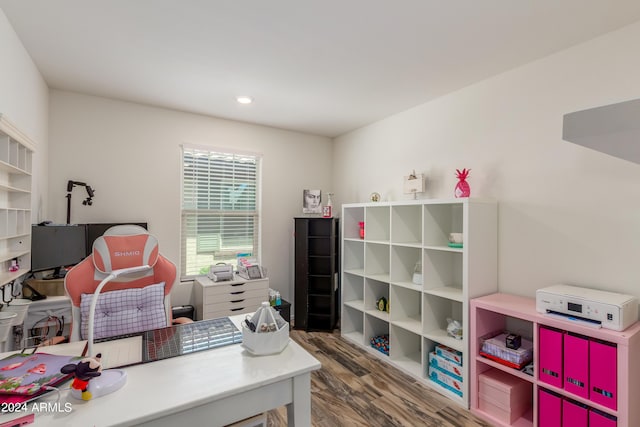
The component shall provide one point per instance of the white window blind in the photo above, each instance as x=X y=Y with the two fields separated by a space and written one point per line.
x=219 y=208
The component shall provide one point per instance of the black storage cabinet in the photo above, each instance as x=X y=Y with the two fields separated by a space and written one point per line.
x=317 y=286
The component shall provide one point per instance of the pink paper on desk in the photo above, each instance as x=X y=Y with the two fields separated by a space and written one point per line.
x=24 y=376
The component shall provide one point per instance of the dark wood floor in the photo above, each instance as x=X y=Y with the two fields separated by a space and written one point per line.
x=354 y=388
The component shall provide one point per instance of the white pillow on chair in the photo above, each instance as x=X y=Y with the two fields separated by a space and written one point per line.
x=125 y=311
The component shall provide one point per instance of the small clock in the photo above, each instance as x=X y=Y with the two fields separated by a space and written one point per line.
x=375 y=197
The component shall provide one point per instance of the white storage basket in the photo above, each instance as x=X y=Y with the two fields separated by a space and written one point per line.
x=271 y=334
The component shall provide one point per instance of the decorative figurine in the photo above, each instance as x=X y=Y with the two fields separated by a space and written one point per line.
x=462 y=188
x=84 y=371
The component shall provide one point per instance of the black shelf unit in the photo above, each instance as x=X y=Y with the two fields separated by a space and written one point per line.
x=317 y=286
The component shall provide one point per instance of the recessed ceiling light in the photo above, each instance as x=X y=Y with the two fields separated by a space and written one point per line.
x=244 y=99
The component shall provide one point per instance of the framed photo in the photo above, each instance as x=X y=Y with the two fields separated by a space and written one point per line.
x=311 y=201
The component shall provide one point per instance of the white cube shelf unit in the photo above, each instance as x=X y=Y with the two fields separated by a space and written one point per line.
x=16 y=156
x=398 y=236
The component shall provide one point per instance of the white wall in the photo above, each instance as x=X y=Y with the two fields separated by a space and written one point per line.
x=130 y=155
x=24 y=102
x=567 y=214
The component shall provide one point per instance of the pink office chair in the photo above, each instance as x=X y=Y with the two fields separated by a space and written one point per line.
x=131 y=302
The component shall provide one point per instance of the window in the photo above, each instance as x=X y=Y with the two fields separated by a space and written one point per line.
x=220 y=212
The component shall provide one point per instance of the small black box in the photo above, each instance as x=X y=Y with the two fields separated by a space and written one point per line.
x=285 y=310
x=513 y=341
x=183 y=311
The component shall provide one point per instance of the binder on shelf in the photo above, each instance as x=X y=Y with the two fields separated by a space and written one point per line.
x=551 y=357
x=549 y=408
x=576 y=364
x=574 y=414
x=600 y=419
x=603 y=373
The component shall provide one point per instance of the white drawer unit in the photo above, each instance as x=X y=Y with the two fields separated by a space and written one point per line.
x=227 y=298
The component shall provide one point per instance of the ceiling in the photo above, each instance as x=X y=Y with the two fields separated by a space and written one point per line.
x=323 y=67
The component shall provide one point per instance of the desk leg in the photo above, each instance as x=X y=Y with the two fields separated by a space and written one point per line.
x=299 y=411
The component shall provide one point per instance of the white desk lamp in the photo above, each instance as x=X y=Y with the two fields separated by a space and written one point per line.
x=110 y=380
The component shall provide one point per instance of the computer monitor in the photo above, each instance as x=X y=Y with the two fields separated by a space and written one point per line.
x=96 y=230
x=54 y=247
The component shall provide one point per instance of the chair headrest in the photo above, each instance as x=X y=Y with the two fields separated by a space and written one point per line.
x=124 y=246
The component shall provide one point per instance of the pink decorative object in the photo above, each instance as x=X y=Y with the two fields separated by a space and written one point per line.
x=462 y=187
x=361 y=224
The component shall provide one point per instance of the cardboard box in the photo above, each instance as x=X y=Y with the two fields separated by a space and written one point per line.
x=449 y=353
x=446 y=365
x=504 y=396
x=446 y=381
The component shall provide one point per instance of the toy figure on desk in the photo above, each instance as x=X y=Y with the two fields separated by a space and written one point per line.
x=84 y=371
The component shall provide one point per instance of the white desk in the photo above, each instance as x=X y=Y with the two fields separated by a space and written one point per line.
x=213 y=388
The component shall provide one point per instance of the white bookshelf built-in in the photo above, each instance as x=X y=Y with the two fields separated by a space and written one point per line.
x=16 y=157
x=398 y=237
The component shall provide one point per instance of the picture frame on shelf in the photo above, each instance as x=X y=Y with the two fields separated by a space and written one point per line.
x=312 y=201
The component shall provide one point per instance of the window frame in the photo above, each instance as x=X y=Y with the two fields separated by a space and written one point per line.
x=257 y=213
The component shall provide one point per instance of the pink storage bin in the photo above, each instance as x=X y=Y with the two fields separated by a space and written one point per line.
x=599 y=419
x=549 y=409
x=550 y=356
x=504 y=396
x=574 y=414
x=603 y=373
x=576 y=365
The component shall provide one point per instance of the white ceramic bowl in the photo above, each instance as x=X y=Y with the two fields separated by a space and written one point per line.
x=455 y=237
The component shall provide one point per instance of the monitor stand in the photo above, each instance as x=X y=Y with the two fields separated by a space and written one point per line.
x=35 y=295
x=58 y=273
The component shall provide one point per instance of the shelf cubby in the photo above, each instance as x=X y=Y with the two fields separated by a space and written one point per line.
x=352 y=324
x=442 y=269
x=353 y=256
x=406 y=309
x=376 y=224
x=403 y=264
x=319 y=246
x=436 y=310
x=353 y=291
x=406 y=225
x=374 y=290
x=406 y=350
x=429 y=346
x=375 y=327
x=377 y=261
x=320 y=265
x=351 y=219
x=441 y=219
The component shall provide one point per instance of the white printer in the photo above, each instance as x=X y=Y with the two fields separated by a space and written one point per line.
x=588 y=306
